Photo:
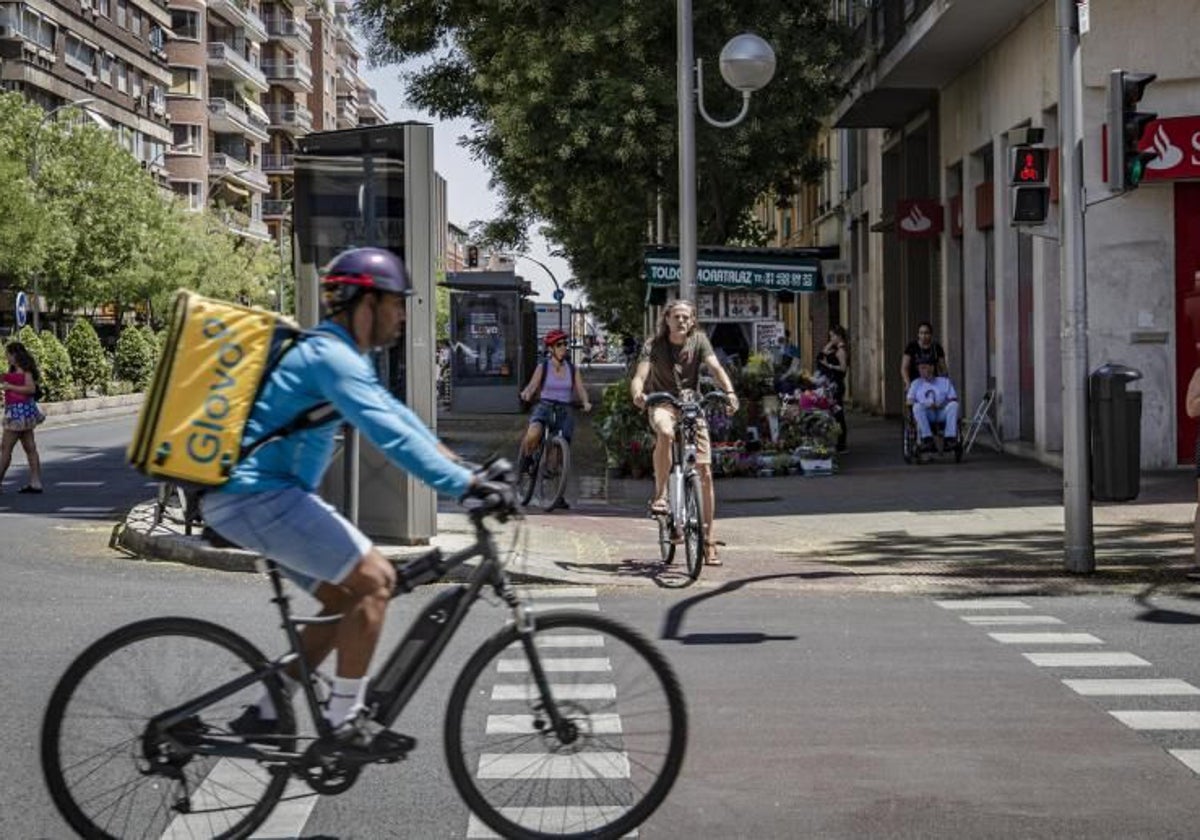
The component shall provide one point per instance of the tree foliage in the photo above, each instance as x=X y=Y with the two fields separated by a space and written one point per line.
x=58 y=380
x=78 y=211
x=89 y=365
x=133 y=359
x=573 y=107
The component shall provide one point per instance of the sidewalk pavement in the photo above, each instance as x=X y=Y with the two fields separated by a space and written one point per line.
x=990 y=525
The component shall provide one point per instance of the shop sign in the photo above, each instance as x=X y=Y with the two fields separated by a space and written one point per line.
x=766 y=337
x=918 y=218
x=799 y=275
x=1177 y=142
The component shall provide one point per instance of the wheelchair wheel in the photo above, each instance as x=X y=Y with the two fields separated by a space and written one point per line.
x=909 y=440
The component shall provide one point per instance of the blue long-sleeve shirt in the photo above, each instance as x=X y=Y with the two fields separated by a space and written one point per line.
x=329 y=368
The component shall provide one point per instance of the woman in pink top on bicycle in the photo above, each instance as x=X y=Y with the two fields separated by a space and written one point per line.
x=21 y=413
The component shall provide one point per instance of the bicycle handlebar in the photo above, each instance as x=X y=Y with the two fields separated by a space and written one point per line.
x=666 y=397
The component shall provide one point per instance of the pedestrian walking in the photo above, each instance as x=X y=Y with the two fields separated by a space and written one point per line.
x=1192 y=407
x=21 y=413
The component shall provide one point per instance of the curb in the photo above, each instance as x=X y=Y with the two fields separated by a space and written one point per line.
x=158 y=543
x=92 y=408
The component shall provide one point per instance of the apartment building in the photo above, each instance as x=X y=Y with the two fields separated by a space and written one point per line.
x=111 y=52
x=249 y=79
x=917 y=200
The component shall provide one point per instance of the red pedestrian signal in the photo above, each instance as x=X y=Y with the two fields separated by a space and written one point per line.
x=1030 y=185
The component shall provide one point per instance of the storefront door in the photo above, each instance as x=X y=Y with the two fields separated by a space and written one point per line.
x=1187 y=309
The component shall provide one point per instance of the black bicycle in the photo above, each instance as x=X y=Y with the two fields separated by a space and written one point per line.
x=544 y=474
x=684 y=519
x=563 y=724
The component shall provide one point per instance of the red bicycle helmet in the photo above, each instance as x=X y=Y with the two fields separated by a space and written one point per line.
x=555 y=336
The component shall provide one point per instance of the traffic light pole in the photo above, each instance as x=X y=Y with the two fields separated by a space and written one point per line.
x=1078 y=545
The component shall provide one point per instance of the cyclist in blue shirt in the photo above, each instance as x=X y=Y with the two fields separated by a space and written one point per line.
x=270 y=503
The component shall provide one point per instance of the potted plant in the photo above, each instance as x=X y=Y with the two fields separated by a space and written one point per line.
x=816 y=432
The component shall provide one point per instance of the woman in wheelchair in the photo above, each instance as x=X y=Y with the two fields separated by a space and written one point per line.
x=934 y=402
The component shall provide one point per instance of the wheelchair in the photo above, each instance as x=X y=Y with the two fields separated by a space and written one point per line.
x=911 y=446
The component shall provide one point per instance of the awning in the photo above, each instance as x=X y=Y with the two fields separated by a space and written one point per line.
x=235 y=190
x=746 y=269
x=256 y=110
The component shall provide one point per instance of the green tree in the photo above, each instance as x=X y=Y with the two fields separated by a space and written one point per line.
x=89 y=364
x=134 y=358
x=33 y=344
x=58 y=380
x=573 y=109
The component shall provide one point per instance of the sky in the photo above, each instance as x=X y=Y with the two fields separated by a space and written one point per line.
x=468 y=195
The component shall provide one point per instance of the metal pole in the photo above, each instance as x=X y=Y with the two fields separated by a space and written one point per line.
x=1078 y=547
x=687 y=152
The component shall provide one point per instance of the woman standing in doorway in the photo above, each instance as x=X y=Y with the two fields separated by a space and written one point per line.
x=21 y=413
x=834 y=362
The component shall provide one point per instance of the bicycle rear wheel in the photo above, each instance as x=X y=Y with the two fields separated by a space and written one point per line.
x=552 y=476
x=693 y=527
x=111 y=778
x=625 y=712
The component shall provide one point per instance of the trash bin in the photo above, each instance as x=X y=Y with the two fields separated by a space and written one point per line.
x=1116 y=421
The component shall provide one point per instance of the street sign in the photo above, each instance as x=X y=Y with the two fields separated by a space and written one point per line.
x=559 y=294
x=22 y=309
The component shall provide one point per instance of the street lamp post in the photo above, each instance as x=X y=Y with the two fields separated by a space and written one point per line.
x=558 y=292
x=34 y=171
x=747 y=64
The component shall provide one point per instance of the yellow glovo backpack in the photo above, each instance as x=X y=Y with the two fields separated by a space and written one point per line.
x=214 y=362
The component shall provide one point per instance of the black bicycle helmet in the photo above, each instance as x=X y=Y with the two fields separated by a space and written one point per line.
x=359 y=270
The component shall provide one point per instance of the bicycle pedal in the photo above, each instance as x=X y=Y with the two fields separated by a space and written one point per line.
x=390 y=747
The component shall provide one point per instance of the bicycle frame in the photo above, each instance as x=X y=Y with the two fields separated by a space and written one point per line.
x=406 y=667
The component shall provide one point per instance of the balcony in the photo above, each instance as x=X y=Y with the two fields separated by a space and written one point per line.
x=243 y=225
x=295 y=34
x=347 y=114
x=226 y=167
x=370 y=112
x=273 y=164
x=275 y=208
x=348 y=80
x=913 y=48
x=240 y=17
x=294 y=119
x=225 y=61
x=224 y=117
x=290 y=74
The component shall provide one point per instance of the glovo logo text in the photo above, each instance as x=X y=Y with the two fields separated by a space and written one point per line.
x=204 y=443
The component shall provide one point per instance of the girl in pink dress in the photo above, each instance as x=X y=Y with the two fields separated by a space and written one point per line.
x=21 y=413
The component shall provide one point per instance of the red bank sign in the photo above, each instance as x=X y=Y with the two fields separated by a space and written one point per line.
x=1177 y=141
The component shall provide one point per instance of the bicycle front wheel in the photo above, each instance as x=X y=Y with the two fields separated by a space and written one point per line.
x=110 y=777
x=527 y=470
x=552 y=477
x=611 y=763
x=693 y=527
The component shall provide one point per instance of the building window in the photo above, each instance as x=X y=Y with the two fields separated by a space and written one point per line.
x=190 y=192
x=185 y=25
x=122 y=77
x=135 y=84
x=106 y=68
x=135 y=21
x=80 y=56
x=104 y=7
x=156 y=38
x=187 y=134
x=185 y=81
x=122 y=13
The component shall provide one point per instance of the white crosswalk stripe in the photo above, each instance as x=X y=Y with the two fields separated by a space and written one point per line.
x=983 y=604
x=1131 y=688
x=1046 y=638
x=979 y=614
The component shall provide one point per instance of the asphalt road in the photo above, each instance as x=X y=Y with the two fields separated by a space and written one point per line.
x=813 y=715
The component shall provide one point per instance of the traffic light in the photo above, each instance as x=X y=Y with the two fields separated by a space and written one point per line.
x=1126 y=124
x=1030 y=185
x=472 y=256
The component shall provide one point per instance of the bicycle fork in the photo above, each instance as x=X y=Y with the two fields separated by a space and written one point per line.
x=566 y=730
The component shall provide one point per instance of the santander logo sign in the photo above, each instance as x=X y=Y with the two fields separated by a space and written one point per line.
x=1177 y=141
x=919 y=218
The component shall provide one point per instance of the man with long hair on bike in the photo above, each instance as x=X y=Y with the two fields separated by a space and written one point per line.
x=554 y=383
x=670 y=361
x=270 y=503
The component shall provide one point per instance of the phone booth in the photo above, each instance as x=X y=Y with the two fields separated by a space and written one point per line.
x=375 y=186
